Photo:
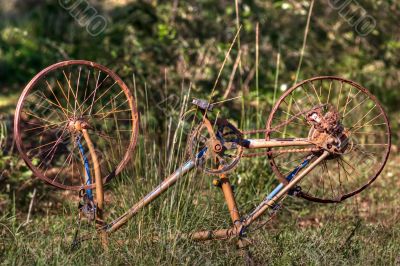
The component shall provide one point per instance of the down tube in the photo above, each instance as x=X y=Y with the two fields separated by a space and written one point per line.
x=167 y=183
x=285 y=189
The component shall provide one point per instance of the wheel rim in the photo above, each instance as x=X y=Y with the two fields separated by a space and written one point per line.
x=362 y=116
x=52 y=108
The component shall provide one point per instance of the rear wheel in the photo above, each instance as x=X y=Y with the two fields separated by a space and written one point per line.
x=365 y=131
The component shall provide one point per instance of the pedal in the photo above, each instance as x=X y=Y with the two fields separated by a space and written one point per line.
x=87 y=208
x=89 y=211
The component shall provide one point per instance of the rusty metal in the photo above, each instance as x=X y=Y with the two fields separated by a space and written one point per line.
x=87 y=208
x=274 y=143
x=229 y=198
x=221 y=234
x=99 y=187
x=277 y=152
x=269 y=130
x=329 y=122
x=215 y=150
x=286 y=189
x=238 y=229
x=18 y=113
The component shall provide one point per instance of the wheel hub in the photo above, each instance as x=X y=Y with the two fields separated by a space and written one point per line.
x=217 y=147
x=76 y=125
x=328 y=131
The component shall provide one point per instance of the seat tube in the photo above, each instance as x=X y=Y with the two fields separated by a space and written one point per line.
x=229 y=198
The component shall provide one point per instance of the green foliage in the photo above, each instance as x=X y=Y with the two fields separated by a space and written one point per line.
x=191 y=39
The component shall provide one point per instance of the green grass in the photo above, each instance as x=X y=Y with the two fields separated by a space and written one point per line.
x=360 y=231
x=146 y=241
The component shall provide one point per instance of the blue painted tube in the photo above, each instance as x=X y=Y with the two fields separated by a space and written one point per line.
x=288 y=178
x=201 y=153
x=89 y=192
x=275 y=191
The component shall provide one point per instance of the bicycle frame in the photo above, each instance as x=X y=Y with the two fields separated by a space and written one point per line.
x=239 y=223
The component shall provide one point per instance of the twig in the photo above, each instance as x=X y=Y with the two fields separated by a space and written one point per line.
x=30 y=207
x=304 y=41
x=352 y=233
x=235 y=66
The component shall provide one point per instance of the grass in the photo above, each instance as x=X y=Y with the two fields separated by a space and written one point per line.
x=305 y=239
x=360 y=231
x=364 y=230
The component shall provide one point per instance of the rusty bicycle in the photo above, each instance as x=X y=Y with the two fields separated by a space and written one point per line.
x=76 y=125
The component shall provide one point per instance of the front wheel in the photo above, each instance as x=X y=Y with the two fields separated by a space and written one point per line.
x=57 y=106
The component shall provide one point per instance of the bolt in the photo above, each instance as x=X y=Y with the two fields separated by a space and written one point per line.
x=217 y=147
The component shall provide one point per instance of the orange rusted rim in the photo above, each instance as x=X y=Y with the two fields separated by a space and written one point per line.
x=57 y=104
x=366 y=128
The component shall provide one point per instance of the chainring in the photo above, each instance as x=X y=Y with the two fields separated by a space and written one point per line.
x=216 y=152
